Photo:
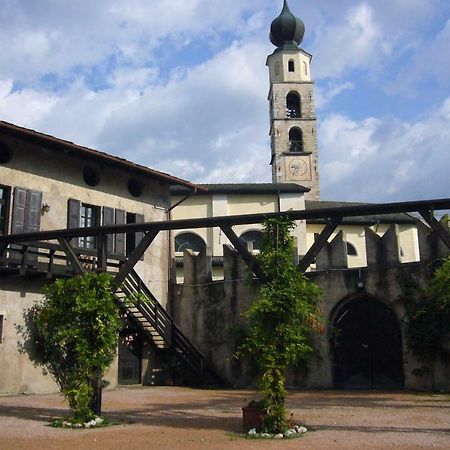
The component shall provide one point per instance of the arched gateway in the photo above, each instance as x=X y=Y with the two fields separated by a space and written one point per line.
x=367 y=345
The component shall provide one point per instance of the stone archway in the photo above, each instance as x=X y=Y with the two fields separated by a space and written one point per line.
x=367 y=346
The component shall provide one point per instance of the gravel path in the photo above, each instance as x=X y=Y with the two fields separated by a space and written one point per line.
x=183 y=418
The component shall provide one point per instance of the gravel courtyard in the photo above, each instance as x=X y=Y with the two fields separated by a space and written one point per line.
x=183 y=418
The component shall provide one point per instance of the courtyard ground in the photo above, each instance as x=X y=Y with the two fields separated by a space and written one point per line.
x=183 y=418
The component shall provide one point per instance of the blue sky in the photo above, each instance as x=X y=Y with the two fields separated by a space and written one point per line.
x=181 y=86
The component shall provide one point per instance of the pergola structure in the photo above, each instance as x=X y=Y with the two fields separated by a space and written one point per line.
x=51 y=253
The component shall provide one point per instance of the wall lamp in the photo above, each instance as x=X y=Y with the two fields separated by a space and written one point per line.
x=45 y=208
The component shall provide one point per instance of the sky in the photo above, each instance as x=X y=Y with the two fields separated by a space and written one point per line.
x=181 y=86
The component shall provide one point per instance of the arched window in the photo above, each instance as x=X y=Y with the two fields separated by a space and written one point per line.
x=295 y=140
x=253 y=236
x=305 y=68
x=351 y=250
x=189 y=241
x=291 y=65
x=293 y=105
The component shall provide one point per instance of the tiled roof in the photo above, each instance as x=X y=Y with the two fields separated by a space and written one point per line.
x=78 y=150
x=366 y=220
x=245 y=188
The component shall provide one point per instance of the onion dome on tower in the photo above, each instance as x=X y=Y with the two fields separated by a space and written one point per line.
x=287 y=31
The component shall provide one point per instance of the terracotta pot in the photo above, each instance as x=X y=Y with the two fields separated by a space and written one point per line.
x=252 y=418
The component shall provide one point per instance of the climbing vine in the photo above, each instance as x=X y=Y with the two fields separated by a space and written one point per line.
x=281 y=320
x=73 y=333
x=428 y=316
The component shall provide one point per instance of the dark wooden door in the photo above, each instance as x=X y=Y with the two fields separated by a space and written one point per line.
x=367 y=346
x=129 y=366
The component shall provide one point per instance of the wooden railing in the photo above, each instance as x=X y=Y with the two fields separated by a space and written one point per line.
x=141 y=303
x=49 y=258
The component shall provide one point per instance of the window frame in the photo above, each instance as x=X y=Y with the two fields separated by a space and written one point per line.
x=200 y=241
x=89 y=242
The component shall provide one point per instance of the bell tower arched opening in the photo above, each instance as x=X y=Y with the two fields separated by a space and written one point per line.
x=295 y=140
x=293 y=105
x=367 y=346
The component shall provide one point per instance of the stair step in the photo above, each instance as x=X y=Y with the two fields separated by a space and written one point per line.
x=157 y=324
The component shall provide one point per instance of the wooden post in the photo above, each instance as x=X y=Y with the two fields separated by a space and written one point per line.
x=102 y=245
x=319 y=243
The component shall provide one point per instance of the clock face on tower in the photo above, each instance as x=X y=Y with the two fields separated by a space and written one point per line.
x=298 y=167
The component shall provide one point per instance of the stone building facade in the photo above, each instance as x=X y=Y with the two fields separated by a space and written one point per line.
x=49 y=184
x=364 y=345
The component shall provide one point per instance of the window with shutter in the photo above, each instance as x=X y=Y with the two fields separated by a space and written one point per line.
x=26 y=216
x=119 y=238
x=73 y=217
x=108 y=219
x=19 y=206
x=133 y=239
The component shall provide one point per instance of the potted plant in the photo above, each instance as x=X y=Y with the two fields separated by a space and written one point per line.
x=281 y=323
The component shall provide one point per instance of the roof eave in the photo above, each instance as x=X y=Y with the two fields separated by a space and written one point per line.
x=86 y=152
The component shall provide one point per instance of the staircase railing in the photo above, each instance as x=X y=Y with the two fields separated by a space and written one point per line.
x=158 y=318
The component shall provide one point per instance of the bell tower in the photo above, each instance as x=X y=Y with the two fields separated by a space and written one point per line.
x=293 y=124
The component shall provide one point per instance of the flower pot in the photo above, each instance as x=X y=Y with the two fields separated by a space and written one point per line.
x=252 y=417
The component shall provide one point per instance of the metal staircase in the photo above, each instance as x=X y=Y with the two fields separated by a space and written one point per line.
x=138 y=301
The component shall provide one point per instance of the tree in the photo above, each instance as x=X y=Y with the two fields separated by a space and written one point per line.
x=281 y=320
x=428 y=316
x=73 y=333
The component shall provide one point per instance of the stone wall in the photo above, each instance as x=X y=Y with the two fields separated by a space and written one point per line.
x=211 y=313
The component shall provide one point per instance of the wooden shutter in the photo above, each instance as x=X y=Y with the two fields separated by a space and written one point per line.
x=73 y=217
x=73 y=213
x=19 y=206
x=26 y=214
x=33 y=211
x=33 y=219
x=140 y=234
x=108 y=219
x=18 y=219
x=119 y=238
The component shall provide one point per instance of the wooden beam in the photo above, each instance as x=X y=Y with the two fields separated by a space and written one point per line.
x=134 y=257
x=319 y=243
x=71 y=257
x=242 y=250
x=102 y=257
x=320 y=213
x=436 y=226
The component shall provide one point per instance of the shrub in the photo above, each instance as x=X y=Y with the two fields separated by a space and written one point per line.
x=73 y=333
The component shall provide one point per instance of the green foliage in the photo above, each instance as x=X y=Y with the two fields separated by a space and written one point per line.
x=281 y=320
x=73 y=333
x=428 y=316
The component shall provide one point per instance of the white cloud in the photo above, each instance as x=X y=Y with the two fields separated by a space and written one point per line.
x=386 y=159
x=118 y=76
x=353 y=42
x=430 y=64
x=23 y=106
x=326 y=92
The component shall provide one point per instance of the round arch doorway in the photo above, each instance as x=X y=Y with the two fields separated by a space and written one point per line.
x=367 y=346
